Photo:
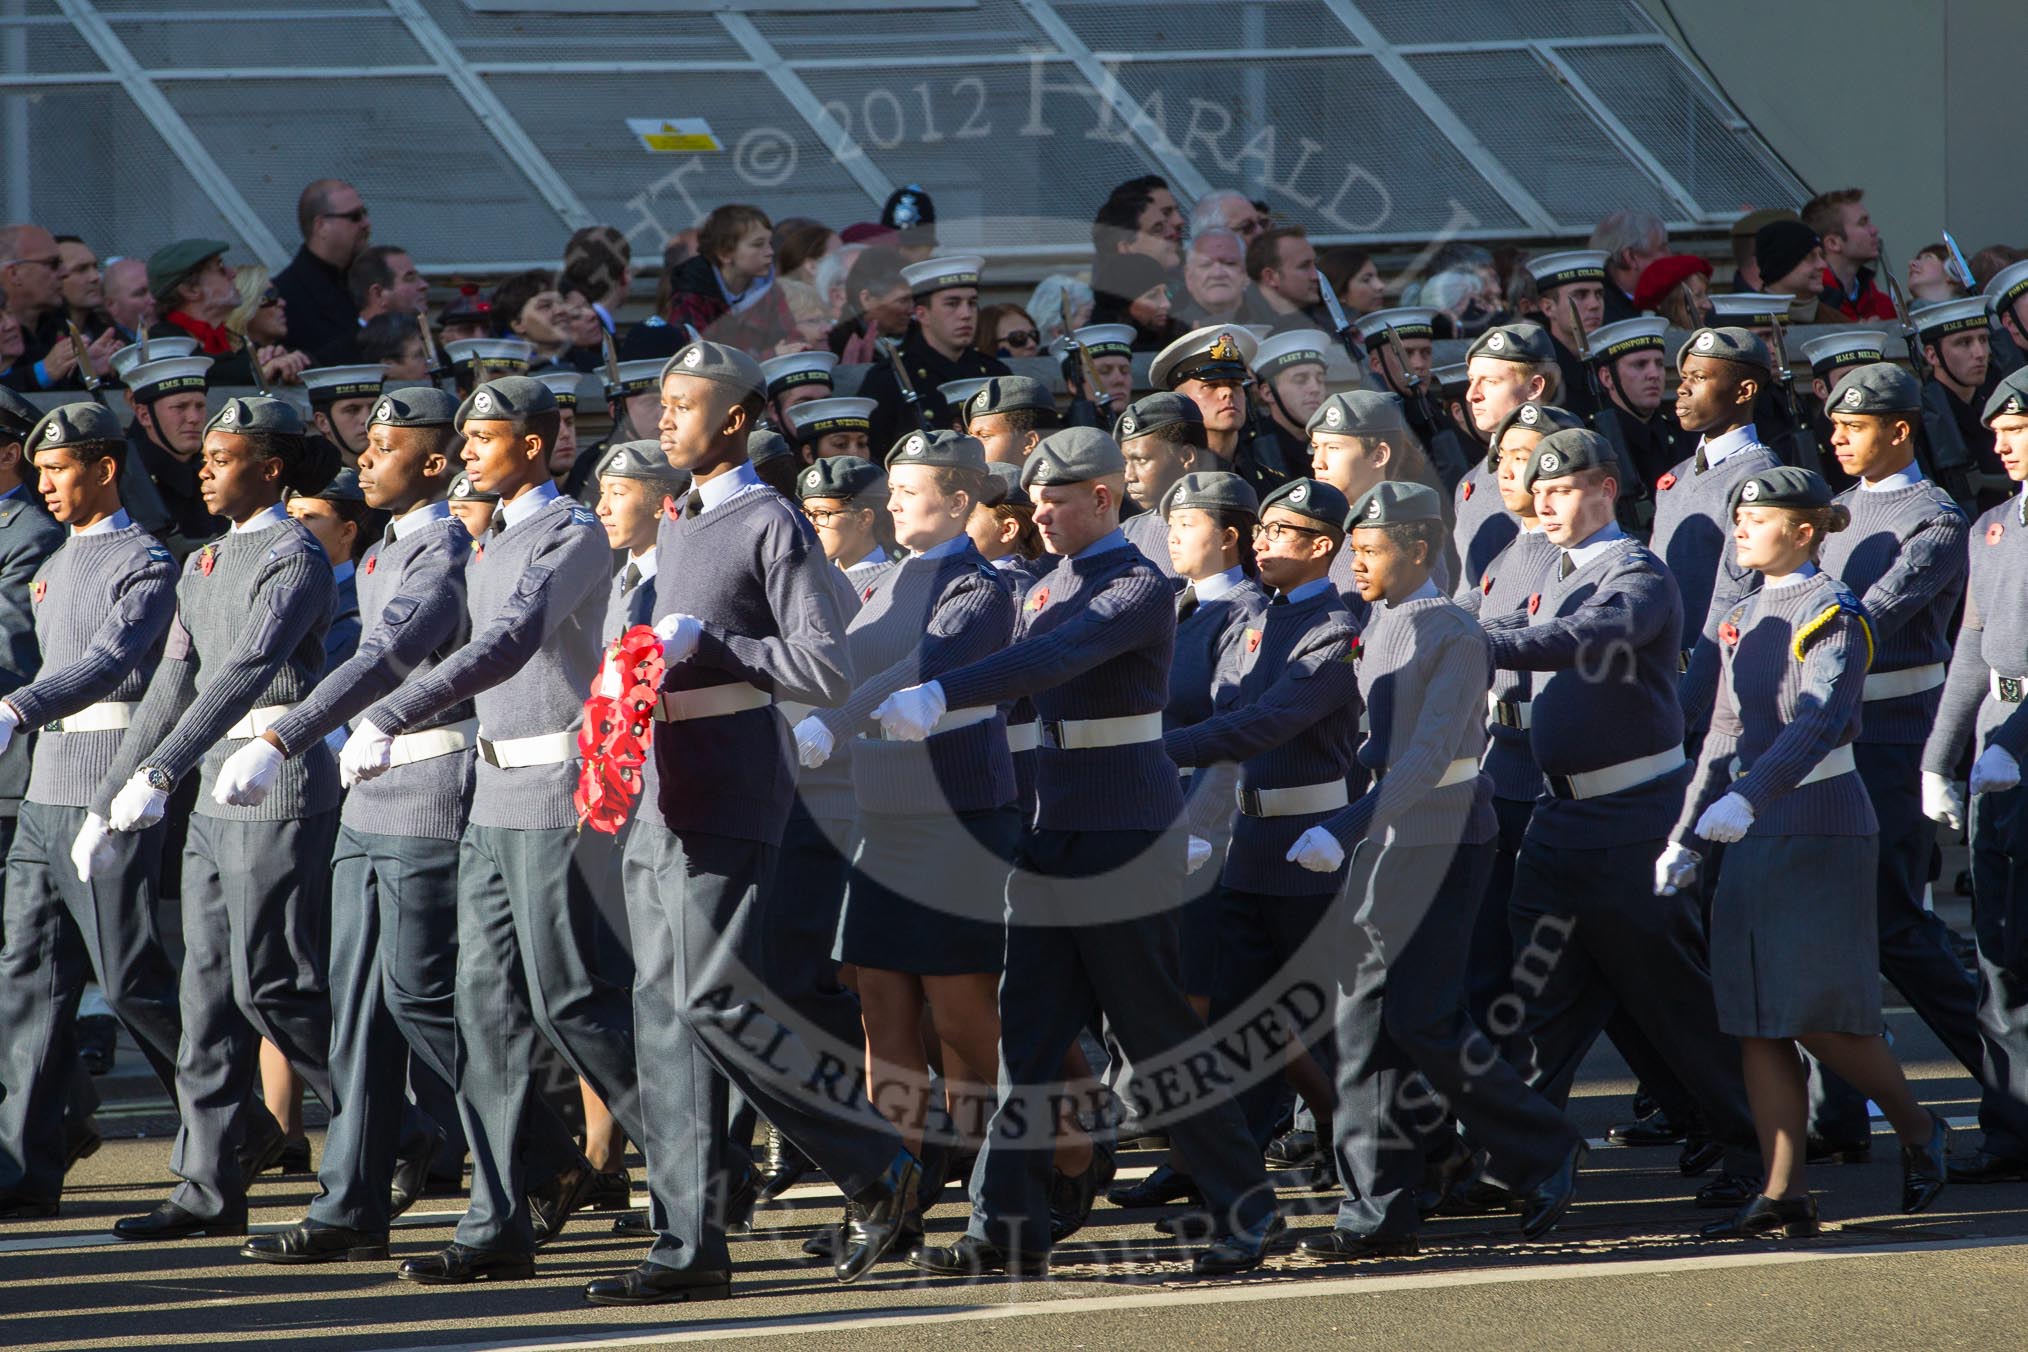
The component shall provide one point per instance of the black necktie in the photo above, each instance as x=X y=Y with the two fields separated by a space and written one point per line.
x=1701 y=465
x=1186 y=602
x=630 y=577
x=1565 y=568
x=693 y=506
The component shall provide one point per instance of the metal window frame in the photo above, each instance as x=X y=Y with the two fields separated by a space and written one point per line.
x=845 y=151
x=1620 y=134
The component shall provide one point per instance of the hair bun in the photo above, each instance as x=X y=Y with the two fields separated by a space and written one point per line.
x=1839 y=518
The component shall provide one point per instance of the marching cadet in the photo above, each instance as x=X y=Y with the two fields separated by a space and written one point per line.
x=1414 y=329
x=338 y=515
x=845 y=498
x=2004 y=296
x=1162 y=437
x=1633 y=374
x=1981 y=717
x=1111 y=349
x=821 y=428
x=159 y=482
x=1507 y=365
x=534 y=600
x=1212 y=367
x=1721 y=374
x=633 y=488
x=473 y=506
x=938 y=347
x=1792 y=916
x=248 y=644
x=633 y=402
x=1358 y=439
x=774 y=460
x=747 y=611
x=1288 y=716
x=341 y=397
x=564 y=386
x=1832 y=356
x=1422 y=670
x=1288 y=371
x=1002 y=528
x=956 y=393
x=1092 y=650
x=1957 y=345
x=1010 y=415
x=474 y=361
x=1550 y=287
x=1605 y=810
x=794 y=378
x=101 y=605
x=28 y=536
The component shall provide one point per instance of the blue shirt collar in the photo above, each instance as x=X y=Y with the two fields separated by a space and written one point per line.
x=1595 y=544
x=1116 y=539
x=1426 y=592
x=719 y=488
x=1315 y=587
x=528 y=504
x=342 y=571
x=117 y=521
x=1719 y=449
x=267 y=519
x=1907 y=477
x=1218 y=584
x=955 y=545
x=1795 y=579
x=417 y=517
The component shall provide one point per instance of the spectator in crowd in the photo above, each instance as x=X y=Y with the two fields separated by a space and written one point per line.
x=1282 y=264
x=911 y=218
x=1987 y=262
x=1047 y=303
x=1008 y=331
x=831 y=271
x=1355 y=279
x=336 y=228
x=382 y=280
x=599 y=262
x=1790 y=259
x=800 y=245
x=1930 y=276
x=129 y=303
x=12 y=345
x=1214 y=277
x=1631 y=240
x=1851 y=244
x=1132 y=288
x=396 y=342
x=194 y=290
x=1678 y=288
x=31 y=283
x=469 y=315
x=528 y=306
x=1225 y=209
x=1459 y=295
x=260 y=321
x=578 y=317
x=811 y=315
x=728 y=292
x=83 y=284
x=1746 y=278
x=1141 y=217
x=879 y=306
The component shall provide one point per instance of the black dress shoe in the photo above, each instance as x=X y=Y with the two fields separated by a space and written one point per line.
x=971 y=1257
x=27 y=1209
x=1194 y=1225
x=98 y=1040
x=551 y=1206
x=889 y=1210
x=295 y=1157
x=1071 y=1199
x=782 y=1166
x=258 y=1156
x=1982 y=1166
x=1699 y=1153
x=1763 y=1216
x=411 y=1176
x=309 y=1243
x=455 y=1265
x=1822 y=1151
x=1728 y=1192
x=653 y=1284
x=170 y=1221
x=1476 y=1198
x=1244 y=1250
x=609 y=1190
x=1926 y=1167
x=740 y=1202
x=633 y=1223
x=1296 y=1150
x=80 y=1142
x=1443 y=1177
x=829 y=1241
x=1342 y=1246
x=1164 y=1187
x=1657 y=1128
x=1544 y=1207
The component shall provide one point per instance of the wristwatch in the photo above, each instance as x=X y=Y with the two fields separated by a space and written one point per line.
x=158 y=779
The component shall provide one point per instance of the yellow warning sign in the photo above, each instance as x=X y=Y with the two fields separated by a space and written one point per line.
x=674 y=135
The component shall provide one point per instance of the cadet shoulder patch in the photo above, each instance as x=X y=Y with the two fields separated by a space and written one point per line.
x=1821 y=626
x=582 y=514
x=157 y=554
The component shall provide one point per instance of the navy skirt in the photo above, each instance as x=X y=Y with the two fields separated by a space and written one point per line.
x=928 y=892
x=1795 y=936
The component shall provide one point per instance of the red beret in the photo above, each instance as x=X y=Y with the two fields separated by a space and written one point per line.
x=1664 y=275
x=868 y=232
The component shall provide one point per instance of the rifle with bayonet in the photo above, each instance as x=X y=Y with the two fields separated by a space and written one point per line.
x=1605 y=420
x=434 y=357
x=616 y=393
x=892 y=351
x=80 y=352
x=1101 y=402
x=1341 y=324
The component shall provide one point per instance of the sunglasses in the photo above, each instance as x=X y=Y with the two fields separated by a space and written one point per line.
x=357 y=215
x=1021 y=337
x=270 y=298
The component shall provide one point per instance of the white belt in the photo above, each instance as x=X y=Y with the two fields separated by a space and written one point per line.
x=1296 y=801
x=1507 y=713
x=1616 y=778
x=2007 y=689
x=952 y=720
x=1463 y=770
x=105 y=716
x=1091 y=734
x=258 y=721
x=1839 y=761
x=1909 y=681
x=715 y=701
x=1024 y=736
x=518 y=753
x=410 y=747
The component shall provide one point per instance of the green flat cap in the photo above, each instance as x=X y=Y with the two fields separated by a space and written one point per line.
x=507 y=399
x=764 y=443
x=1212 y=491
x=1393 y=502
x=1782 y=486
x=1003 y=485
x=1569 y=451
x=1006 y=394
x=170 y=264
x=74 y=425
x=940 y=449
x=1153 y=412
x=344 y=487
x=716 y=361
x=1526 y=344
x=415 y=406
x=1074 y=455
x=1310 y=498
x=2009 y=398
x=643 y=460
x=1881 y=387
x=842 y=476
x=1359 y=413
x=1728 y=344
x=257 y=413
x=463 y=490
x=17 y=415
x=1534 y=416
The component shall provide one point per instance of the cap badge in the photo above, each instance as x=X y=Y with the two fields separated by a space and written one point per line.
x=53 y=432
x=1300 y=493
x=1750 y=491
x=1334 y=416
x=1853 y=395
x=1496 y=342
x=1224 y=349
x=1373 y=508
x=383 y=410
x=1529 y=413
x=482 y=402
x=1705 y=342
x=1547 y=462
x=1127 y=425
x=694 y=358
x=2013 y=405
x=229 y=415
x=916 y=445
x=813 y=478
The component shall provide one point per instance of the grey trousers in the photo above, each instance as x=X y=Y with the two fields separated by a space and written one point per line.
x=256 y=910
x=59 y=933
x=527 y=962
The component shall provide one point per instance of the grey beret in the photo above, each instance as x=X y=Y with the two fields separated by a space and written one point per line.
x=764 y=443
x=1566 y=452
x=716 y=361
x=344 y=487
x=2009 y=398
x=1164 y=408
x=1312 y=498
x=257 y=413
x=1527 y=344
x=1782 y=486
x=1213 y=491
x=415 y=406
x=945 y=450
x=1359 y=413
x=1074 y=455
x=1881 y=387
x=508 y=399
x=1728 y=344
x=1003 y=485
x=73 y=425
x=463 y=490
x=17 y=415
x=1532 y=416
x=842 y=476
x=1391 y=502
x=644 y=460
x=1006 y=394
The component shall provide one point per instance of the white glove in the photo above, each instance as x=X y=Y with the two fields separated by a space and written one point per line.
x=1995 y=771
x=247 y=775
x=368 y=753
x=814 y=742
x=1676 y=869
x=1317 y=850
x=679 y=635
x=92 y=852
x=909 y=715
x=9 y=721
x=137 y=806
x=1943 y=800
x=1726 y=820
x=1198 y=856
